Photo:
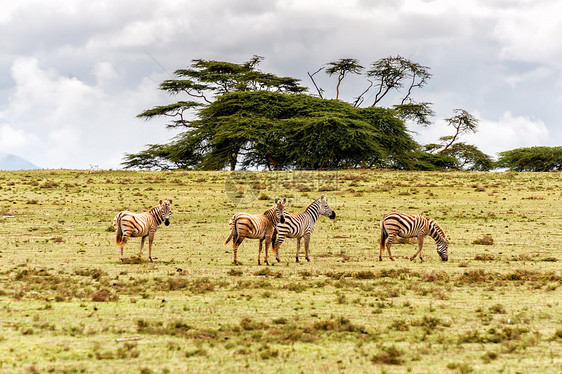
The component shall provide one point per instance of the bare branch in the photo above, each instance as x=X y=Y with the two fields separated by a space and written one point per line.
x=359 y=99
x=319 y=90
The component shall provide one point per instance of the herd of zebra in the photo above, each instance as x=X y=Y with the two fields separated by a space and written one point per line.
x=274 y=225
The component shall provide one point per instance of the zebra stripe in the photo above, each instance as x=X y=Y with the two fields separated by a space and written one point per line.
x=301 y=225
x=404 y=225
x=256 y=226
x=128 y=224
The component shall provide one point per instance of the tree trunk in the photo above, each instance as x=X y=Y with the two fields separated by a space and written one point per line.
x=233 y=160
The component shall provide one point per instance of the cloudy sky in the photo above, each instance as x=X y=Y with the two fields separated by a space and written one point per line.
x=74 y=74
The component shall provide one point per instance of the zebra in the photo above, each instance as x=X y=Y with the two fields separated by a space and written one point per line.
x=301 y=225
x=395 y=224
x=256 y=226
x=145 y=224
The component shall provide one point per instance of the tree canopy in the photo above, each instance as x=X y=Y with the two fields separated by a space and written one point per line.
x=238 y=116
x=531 y=159
x=280 y=131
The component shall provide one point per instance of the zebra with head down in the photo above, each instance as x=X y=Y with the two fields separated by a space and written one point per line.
x=404 y=225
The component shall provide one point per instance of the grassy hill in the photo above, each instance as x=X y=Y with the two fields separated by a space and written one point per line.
x=68 y=305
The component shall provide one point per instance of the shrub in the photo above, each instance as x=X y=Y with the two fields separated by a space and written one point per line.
x=104 y=295
x=389 y=356
x=485 y=240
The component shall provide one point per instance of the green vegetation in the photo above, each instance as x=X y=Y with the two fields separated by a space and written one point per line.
x=68 y=305
x=531 y=159
x=239 y=116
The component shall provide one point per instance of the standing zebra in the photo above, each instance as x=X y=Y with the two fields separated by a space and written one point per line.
x=301 y=225
x=256 y=226
x=145 y=224
x=411 y=225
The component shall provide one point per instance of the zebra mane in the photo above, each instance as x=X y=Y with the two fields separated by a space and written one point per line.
x=439 y=233
x=312 y=203
x=156 y=212
x=270 y=213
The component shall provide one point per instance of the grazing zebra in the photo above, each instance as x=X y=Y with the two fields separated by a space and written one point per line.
x=301 y=225
x=408 y=226
x=145 y=224
x=256 y=226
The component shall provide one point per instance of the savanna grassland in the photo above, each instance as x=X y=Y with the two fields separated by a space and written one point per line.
x=68 y=305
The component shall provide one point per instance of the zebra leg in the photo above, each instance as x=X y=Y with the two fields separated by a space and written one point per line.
x=298 y=248
x=420 y=246
x=276 y=246
x=388 y=244
x=142 y=245
x=235 y=244
x=259 y=253
x=150 y=240
x=124 y=239
x=306 y=245
x=267 y=242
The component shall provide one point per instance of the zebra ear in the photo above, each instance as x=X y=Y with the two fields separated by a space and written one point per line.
x=170 y=201
x=160 y=202
x=284 y=200
x=323 y=197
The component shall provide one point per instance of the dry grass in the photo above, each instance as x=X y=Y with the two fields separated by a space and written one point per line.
x=69 y=305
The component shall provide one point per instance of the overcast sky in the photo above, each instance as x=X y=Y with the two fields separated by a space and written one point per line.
x=74 y=74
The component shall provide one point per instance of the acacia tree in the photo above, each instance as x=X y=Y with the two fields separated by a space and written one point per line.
x=463 y=123
x=531 y=159
x=342 y=68
x=279 y=131
x=203 y=82
x=465 y=156
x=238 y=115
x=394 y=73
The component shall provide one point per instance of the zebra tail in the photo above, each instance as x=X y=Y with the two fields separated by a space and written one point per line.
x=384 y=236
x=233 y=231
x=118 y=230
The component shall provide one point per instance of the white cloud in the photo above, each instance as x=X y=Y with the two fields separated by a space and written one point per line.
x=529 y=32
x=56 y=121
x=16 y=140
x=508 y=132
x=73 y=75
x=492 y=136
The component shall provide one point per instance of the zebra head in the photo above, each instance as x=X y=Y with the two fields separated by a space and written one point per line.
x=166 y=211
x=442 y=247
x=324 y=208
x=280 y=209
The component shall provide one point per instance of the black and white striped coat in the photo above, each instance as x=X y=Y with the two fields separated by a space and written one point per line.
x=128 y=224
x=404 y=225
x=301 y=225
x=256 y=226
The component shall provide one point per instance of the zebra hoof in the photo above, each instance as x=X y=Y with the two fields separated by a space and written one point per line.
x=392 y=259
x=297 y=259
x=380 y=258
x=307 y=259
